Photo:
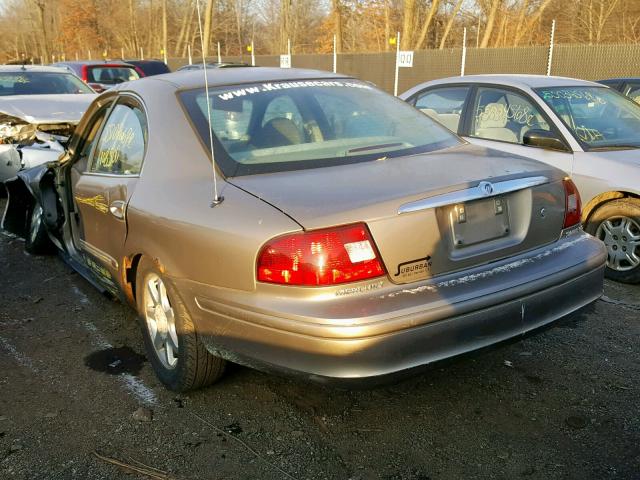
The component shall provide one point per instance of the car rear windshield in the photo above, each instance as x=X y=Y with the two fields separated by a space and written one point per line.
x=152 y=68
x=292 y=125
x=40 y=83
x=111 y=75
x=598 y=117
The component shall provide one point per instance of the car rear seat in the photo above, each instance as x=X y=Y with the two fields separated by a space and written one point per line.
x=449 y=120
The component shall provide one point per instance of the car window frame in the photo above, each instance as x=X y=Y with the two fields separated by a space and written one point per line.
x=64 y=72
x=91 y=68
x=518 y=91
x=413 y=99
x=224 y=161
x=583 y=145
x=75 y=148
x=119 y=99
x=628 y=86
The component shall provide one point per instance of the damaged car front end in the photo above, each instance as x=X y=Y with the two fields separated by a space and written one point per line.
x=35 y=130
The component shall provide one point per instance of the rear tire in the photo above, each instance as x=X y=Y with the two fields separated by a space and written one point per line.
x=179 y=359
x=617 y=224
x=36 y=240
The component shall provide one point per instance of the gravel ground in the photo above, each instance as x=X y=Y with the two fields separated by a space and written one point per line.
x=562 y=403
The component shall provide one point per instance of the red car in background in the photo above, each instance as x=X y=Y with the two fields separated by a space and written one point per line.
x=102 y=75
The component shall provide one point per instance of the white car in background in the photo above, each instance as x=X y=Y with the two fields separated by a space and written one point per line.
x=586 y=129
x=39 y=110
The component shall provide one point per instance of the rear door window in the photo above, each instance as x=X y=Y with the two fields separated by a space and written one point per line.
x=632 y=90
x=444 y=105
x=111 y=75
x=122 y=142
x=505 y=116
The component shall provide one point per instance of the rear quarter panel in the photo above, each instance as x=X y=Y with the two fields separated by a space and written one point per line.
x=169 y=215
x=600 y=172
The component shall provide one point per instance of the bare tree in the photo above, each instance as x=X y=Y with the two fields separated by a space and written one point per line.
x=409 y=13
x=206 y=34
x=426 y=24
x=447 y=28
x=491 y=19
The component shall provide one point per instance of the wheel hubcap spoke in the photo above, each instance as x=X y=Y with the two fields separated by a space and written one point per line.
x=36 y=220
x=153 y=292
x=161 y=321
x=621 y=235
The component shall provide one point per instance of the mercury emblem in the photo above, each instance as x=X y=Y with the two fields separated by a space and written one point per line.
x=486 y=188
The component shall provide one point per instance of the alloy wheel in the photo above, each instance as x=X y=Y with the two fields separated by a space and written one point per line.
x=36 y=221
x=160 y=321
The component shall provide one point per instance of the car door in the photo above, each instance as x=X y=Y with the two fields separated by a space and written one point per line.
x=103 y=178
x=444 y=104
x=498 y=117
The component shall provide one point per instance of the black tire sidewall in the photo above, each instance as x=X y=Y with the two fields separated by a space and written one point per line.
x=41 y=243
x=628 y=207
x=174 y=378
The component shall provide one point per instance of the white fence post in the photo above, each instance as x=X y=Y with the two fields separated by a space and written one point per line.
x=219 y=56
x=253 y=55
x=464 y=51
x=189 y=53
x=122 y=53
x=141 y=53
x=550 y=59
x=89 y=52
x=335 y=56
x=395 y=82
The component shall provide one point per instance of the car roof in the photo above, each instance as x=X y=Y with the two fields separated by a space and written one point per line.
x=619 y=79
x=519 y=80
x=148 y=60
x=95 y=62
x=188 y=79
x=33 y=68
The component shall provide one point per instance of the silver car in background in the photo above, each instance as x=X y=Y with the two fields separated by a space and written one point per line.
x=586 y=129
x=39 y=110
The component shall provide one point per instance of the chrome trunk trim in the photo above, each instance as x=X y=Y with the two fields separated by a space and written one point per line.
x=482 y=190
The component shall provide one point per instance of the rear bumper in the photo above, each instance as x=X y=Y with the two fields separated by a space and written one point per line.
x=374 y=335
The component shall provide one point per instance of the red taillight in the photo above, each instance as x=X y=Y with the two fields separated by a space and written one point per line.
x=572 y=204
x=320 y=257
x=84 y=72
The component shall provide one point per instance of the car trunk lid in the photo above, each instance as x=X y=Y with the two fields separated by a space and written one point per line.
x=420 y=209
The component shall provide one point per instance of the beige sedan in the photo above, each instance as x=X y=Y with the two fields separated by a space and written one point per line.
x=351 y=237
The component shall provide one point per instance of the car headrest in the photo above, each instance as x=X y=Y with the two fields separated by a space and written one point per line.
x=277 y=132
x=493 y=116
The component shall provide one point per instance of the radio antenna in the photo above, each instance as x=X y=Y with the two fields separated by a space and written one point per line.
x=216 y=198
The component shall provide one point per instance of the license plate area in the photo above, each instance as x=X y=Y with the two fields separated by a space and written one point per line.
x=479 y=221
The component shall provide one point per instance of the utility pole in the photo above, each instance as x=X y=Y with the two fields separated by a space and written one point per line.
x=164 y=29
x=464 y=51
x=395 y=81
x=550 y=58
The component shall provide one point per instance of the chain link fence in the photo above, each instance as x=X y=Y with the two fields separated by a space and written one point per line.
x=590 y=62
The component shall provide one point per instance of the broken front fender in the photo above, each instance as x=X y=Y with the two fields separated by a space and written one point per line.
x=23 y=190
x=10 y=162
